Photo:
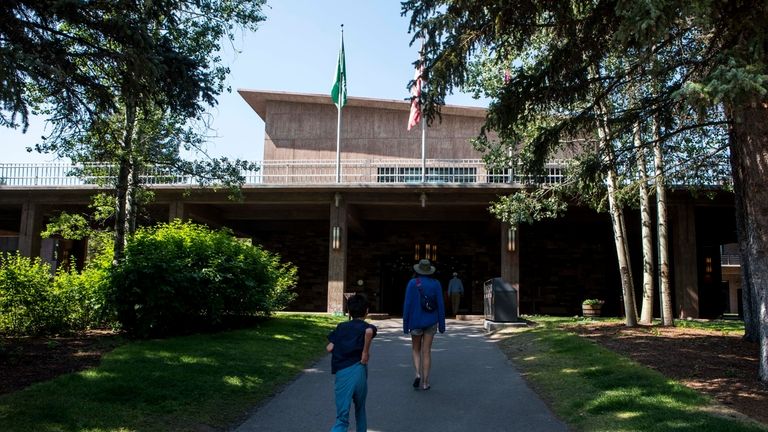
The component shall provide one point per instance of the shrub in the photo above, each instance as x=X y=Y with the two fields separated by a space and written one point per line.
x=27 y=304
x=182 y=277
x=32 y=302
x=85 y=297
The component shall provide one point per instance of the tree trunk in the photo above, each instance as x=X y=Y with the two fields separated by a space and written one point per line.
x=133 y=191
x=617 y=221
x=646 y=220
x=123 y=181
x=749 y=161
x=667 y=319
x=750 y=310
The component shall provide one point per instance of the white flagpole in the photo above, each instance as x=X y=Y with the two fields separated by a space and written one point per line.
x=423 y=123
x=338 y=123
x=338 y=144
x=423 y=150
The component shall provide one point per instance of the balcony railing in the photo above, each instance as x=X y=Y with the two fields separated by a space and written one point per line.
x=730 y=260
x=288 y=172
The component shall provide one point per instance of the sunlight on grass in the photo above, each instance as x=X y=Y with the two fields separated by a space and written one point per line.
x=174 y=358
x=185 y=359
x=94 y=374
x=173 y=384
x=724 y=326
x=594 y=389
x=247 y=381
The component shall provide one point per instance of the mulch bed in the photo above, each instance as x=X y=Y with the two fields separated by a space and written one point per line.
x=721 y=365
x=25 y=361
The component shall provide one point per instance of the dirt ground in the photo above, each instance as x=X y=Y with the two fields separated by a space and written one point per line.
x=718 y=364
x=25 y=361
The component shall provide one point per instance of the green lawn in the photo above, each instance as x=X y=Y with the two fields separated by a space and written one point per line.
x=184 y=383
x=594 y=389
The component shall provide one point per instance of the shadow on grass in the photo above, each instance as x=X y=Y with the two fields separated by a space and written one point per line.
x=194 y=382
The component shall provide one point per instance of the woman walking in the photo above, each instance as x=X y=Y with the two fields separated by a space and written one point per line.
x=423 y=316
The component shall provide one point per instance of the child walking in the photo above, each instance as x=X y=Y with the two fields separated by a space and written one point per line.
x=350 y=345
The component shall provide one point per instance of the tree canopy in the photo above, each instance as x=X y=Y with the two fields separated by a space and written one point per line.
x=68 y=58
x=691 y=64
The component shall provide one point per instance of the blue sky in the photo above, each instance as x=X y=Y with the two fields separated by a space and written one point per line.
x=294 y=50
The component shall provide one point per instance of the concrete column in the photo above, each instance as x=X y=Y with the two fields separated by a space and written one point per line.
x=29 y=231
x=510 y=258
x=176 y=211
x=684 y=255
x=337 y=255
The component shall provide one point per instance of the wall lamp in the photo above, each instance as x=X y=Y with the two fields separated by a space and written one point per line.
x=336 y=238
x=511 y=237
x=430 y=252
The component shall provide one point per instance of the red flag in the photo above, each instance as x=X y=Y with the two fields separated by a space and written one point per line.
x=415 y=116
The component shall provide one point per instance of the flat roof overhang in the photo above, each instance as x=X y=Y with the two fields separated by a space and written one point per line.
x=257 y=99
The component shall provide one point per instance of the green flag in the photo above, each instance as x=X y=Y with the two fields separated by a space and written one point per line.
x=339 y=90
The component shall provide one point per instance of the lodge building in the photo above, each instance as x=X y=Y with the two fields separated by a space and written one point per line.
x=359 y=226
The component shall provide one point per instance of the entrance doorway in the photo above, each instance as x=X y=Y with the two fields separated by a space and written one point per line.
x=396 y=270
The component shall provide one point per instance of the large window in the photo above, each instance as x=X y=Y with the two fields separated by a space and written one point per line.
x=434 y=175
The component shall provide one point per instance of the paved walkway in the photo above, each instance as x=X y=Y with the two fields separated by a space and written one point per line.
x=474 y=388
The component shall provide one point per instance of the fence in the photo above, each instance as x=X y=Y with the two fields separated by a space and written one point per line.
x=287 y=172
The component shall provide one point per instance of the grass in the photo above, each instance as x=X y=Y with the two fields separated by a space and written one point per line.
x=594 y=389
x=188 y=383
x=718 y=325
x=724 y=326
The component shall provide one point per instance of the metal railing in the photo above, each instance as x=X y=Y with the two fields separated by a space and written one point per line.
x=287 y=172
x=730 y=260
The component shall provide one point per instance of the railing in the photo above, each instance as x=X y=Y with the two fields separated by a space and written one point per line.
x=730 y=260
x=287 y=172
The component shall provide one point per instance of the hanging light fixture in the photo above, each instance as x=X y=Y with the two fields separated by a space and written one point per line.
x=336 y=238
x=511 y=238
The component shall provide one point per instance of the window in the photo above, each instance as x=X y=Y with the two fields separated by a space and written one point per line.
x=434 y=175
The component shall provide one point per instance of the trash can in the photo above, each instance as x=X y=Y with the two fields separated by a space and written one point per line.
x=499 y=301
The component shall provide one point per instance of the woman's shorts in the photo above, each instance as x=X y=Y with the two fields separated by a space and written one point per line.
x=431 y=330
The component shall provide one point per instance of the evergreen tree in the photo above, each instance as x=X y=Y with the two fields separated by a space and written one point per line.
x=709 y=56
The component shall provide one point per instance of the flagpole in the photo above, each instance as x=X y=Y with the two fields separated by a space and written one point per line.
x=423 y=124
x=423 y=151
x=338 y=143
x=338 y=124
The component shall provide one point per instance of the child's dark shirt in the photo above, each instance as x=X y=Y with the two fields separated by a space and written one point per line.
x=348 y=341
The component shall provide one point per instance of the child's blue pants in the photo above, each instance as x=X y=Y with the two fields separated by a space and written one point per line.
x=351 y=385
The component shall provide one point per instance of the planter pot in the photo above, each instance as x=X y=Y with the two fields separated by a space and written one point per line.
x=591 y=310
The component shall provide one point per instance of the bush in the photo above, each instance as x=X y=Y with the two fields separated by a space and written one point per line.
x=27 y=303
x=84 y=297
x=181 y=277
x=32 y=302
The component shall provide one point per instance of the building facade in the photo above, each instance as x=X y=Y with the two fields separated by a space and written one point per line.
x=359 y=225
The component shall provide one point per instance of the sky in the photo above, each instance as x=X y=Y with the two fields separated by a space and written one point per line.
x=295 y=50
